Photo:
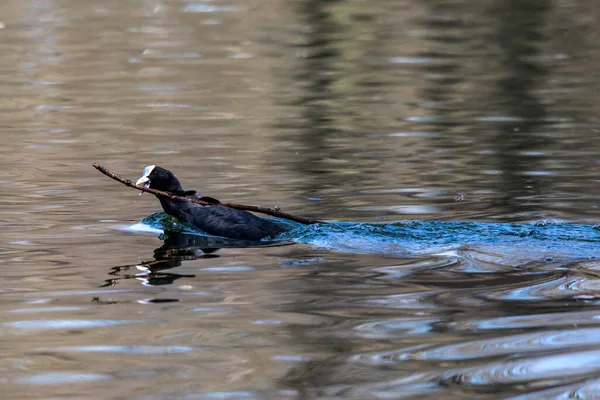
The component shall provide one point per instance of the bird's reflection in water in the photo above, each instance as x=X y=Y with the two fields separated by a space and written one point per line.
x=178 y=247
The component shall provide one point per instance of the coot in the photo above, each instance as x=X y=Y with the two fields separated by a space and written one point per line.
x=215 y=220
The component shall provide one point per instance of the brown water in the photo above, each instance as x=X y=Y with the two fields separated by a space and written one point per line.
x=358 y=111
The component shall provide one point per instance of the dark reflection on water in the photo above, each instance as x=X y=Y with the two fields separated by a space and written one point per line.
x=518 y=145
x=178 y=247
x=453 y=145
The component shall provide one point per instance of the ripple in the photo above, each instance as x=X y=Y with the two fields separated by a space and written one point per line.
x=415 y=134
x=226 y=395
x=400 y=387
x=54 y=107
x=132 y=349
x=46 y=309
x=557 y=288
x=54 y=378
x=239 y=268
x=405 y=209
x=164 y=105
x=291 y=358
x=589 y=389
x=529 y=369
x=402 y=270
x=404 y=301
x=267 y=322
x=67 y=323
x=61 y=293
x=548 y=340
x=43 y=83
x=208 y=8
x=499 y=118
x=419 y=60
x=150 y=53
x=394 y=328
x=530 y=321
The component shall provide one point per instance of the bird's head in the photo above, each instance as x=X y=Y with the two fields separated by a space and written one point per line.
x=155 y=177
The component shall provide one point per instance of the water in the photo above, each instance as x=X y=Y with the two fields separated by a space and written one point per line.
x=451 y=145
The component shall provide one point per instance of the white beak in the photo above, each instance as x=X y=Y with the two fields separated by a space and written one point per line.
x=143 y=181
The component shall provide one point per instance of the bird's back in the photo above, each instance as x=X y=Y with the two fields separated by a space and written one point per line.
x=232 y=223
x=222 y=220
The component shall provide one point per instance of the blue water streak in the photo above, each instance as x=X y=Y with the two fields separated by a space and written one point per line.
x=426 y=237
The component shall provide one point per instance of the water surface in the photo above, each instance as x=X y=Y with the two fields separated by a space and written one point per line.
x=452 y=146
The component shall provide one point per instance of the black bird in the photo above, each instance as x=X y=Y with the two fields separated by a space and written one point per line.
x=215 y=220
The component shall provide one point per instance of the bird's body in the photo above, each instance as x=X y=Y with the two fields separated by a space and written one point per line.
x=221 y=220
x=214 y=219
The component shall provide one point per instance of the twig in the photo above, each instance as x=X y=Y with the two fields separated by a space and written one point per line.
x=263 y=210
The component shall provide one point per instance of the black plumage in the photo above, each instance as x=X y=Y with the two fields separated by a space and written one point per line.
x=215 y=220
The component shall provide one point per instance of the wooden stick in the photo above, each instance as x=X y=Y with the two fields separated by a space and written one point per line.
x=263 y=210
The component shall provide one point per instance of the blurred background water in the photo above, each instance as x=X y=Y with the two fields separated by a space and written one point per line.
x=454 y=142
